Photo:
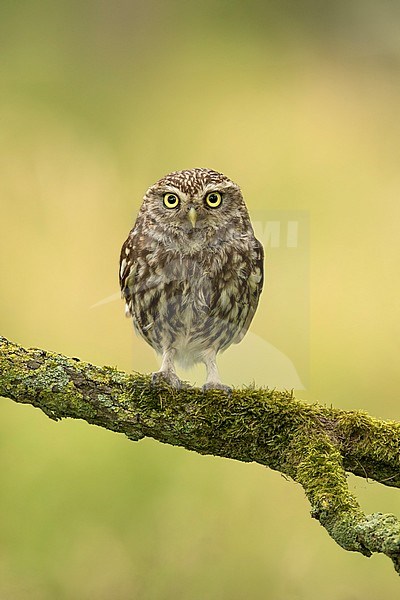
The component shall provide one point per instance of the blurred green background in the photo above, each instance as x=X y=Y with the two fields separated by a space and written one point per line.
x=299 y=102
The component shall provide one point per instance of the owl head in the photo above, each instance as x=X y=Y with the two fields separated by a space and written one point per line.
x=192 y=202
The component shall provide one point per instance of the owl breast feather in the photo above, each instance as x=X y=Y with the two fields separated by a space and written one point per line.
x=191 y=304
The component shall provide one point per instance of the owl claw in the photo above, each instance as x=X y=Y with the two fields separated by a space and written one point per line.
x=216 y=386
x=169 y=377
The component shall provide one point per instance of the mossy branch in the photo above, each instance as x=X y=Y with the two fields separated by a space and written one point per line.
x=313 y=444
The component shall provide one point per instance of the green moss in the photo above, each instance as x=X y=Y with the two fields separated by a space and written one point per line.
x=312 y=444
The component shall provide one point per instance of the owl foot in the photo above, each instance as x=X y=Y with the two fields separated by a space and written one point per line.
x=216 y=386
x=169 y=377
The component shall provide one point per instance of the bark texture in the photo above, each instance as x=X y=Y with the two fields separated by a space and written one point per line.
x=312 y=444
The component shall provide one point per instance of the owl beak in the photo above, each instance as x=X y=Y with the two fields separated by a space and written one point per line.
x=192 y=216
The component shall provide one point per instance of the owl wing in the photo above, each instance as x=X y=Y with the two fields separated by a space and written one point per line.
x=139 y=293
x=255 y=282
x=127 y=271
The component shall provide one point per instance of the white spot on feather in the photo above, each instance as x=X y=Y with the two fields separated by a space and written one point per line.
x=123 y=265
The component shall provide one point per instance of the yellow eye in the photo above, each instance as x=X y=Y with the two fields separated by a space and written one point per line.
x=171 y=200
x=213 y=199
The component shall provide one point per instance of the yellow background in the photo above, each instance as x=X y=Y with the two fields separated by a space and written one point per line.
x=299 y=103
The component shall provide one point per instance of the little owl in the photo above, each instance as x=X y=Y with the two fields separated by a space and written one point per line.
x=191 y=271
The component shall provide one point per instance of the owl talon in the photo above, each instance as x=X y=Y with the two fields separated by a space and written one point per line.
x=169 y=377
x=217 y=386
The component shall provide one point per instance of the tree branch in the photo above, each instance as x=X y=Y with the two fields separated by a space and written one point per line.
x=313 y=444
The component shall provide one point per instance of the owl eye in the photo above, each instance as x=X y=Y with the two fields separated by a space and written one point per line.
x=171 y=200
x=213 y=199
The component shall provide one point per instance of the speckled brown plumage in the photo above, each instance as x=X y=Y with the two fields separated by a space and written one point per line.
x=192 y=274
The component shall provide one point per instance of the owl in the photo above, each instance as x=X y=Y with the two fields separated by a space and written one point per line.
x=191 y=271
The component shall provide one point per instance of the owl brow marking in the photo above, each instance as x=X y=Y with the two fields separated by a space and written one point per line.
x=192 y=181
x=172 y=189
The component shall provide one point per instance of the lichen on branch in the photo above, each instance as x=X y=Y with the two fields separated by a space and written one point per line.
x=312 y=444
